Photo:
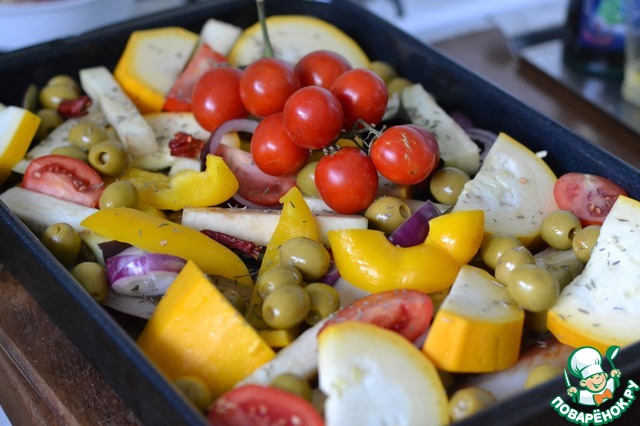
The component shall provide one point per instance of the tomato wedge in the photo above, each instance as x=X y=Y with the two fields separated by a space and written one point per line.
x=179 y=97
x=589 y=197
x=262 y=405
x=407 y=312
x=64 y=177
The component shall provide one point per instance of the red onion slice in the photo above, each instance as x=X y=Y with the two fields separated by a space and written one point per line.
x=142 y=274
x=237 y=125
x=483 y=138
x=415 y=229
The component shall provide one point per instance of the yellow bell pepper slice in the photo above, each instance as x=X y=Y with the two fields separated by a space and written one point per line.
x=186 y=188
x=155 y=234
x=369 y=261
x=296 y=220
x=195 y=331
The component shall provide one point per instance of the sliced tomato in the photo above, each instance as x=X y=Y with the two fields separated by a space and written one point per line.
x=203 y=60
x=407 y=312
x=589 y=197
x=64 y=177
x=262 y=406
x=255 y=185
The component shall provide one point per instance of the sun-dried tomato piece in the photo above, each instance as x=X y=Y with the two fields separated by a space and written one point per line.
x=72 y=108
x=185 y=145
x=229 y=241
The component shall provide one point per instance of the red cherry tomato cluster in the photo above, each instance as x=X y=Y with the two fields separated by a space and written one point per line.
x=309 y=106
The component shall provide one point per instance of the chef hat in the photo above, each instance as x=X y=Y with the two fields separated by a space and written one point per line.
x=585 y=362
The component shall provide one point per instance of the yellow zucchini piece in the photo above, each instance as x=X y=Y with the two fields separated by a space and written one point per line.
x=478 y=327
x=151 y=62
x=17 y=128
x=196 y=332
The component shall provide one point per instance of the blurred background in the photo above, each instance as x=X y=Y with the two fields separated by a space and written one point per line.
x=26 y=22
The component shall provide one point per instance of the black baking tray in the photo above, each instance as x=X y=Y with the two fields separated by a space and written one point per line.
x=103 y=337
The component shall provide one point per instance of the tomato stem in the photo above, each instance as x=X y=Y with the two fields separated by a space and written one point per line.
x=268 y=48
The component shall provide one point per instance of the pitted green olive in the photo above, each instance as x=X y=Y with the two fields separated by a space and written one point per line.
x=387 y=213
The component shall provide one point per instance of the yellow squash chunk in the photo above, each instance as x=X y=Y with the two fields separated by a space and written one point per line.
x=478 y=327
x=155 y=234
x=151 y=62
x=195 y=331
x=17 y=128
x=601 y=306
x=514 y=187
x=293 y=36
x=374 y=376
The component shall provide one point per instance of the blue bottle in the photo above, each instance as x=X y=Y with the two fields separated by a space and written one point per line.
x=594 y=37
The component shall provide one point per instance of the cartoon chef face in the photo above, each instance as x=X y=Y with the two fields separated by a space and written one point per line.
x=595 y=383
x=585 y=364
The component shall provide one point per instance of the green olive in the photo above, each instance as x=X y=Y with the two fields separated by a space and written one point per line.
x=235 y=299
x=495 y=245
x=49 y=120
x=71 y=151
x=584 y=241
x=532 y=287
x=120 y=193
x=306 y=180
x=277 y=276
x=63 y=241
x=285 y=307
x=30 y=98
x=511 y=258
x=294 y=384
x=558 y=228
x=536 y=321
x=306 y=255
x=397 y=85
x=64 y=80
x=93 y=278
x=109 y=158
x=387 y=213
x=51 y=96
x=540 y=374
x=196 y=391
x=86 y=134
x=324 y=300
x=384 y=70
x=446 y=184
x=469 y=401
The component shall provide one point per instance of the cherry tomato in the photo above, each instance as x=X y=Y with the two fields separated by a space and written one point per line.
x=362 y=94
x=589 y=197
x=429 y=137
x=179 y=97
x=216 y=98
x=313 y=117
x=321 y=68
x=262 y=405
x=402 y=155
x=274 y=151
x=255 y=185
x=407 y=312
x=266 y=84
x=347 y=180
x=64 y=177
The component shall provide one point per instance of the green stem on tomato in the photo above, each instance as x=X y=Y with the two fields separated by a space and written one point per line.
x=268 y=49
